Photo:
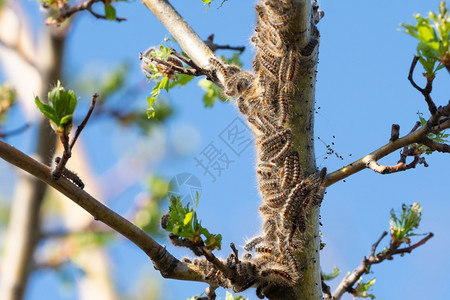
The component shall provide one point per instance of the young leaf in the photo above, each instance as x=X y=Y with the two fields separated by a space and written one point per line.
x=183 y=222
x=332 y=275
x=433 y=48
x=47 y=110
x=110 y=12
x=362 y=289
x=402 y=226
x=212 y=92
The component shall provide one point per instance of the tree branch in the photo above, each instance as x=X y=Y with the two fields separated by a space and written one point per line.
x=415 y=136
x=66 y=11
x=169 y=266
x=424 y=91
x=185 y=36
x=348 y=282
x=381 y=152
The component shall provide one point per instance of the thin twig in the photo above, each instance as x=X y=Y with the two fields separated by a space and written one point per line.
x=395 y=132
x=375 y=245
x=417 y=135
x=218 y=264
x=348 y=282
x=210 y=43
x=172 y=68
x=325 y=289
x=441 y=147
x=61 y=164
x=67 y=11
x=86 y=119
x=424 y=91
x=408 y=249
x=187 y=61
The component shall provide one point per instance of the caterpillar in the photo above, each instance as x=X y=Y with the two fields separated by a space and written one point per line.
x=280 y=13
x=69 y=175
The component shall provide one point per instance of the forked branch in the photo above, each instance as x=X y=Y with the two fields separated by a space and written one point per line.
x=412 y=143
x=347 y=283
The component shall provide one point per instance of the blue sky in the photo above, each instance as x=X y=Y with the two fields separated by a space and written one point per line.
x=362 y=89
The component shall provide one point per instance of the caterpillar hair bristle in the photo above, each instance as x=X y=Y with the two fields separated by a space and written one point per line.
x=252 y=243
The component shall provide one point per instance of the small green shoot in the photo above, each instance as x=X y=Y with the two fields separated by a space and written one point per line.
x=182 y=221
x=110 y=12
x=212 y=92
x=362 y=288
x=229 y=296
x=433 y=34
x=331 y=275
x=165 y=79
x=401 y=227
x=60 y=108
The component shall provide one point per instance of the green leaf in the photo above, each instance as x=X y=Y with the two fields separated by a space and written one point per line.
x=362 y=288
x=66 y=120
x=150 y=109
x=47 y=110
x=234 y=60
x=181 y=80
x=332 y=275
x=433 y=33
x=440 y=137
x=402 y=226
x=110 y=12
x=183 y=222
x=188 y=218
x=213 y=241
x=63 y=103
x=212 y=92
x=423 y=122
x=164 y=83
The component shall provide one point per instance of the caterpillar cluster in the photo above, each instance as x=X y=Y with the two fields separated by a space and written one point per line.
x=287 y=194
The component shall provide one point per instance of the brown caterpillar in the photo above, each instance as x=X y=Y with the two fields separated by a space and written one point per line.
x=276 y=152
x=308 y=50
x=280 y=13
x=276 y=138
x=291 y=170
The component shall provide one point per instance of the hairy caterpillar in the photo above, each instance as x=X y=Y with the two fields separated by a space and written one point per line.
x=280 y=13
x=291 y=170
x=69 y=175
